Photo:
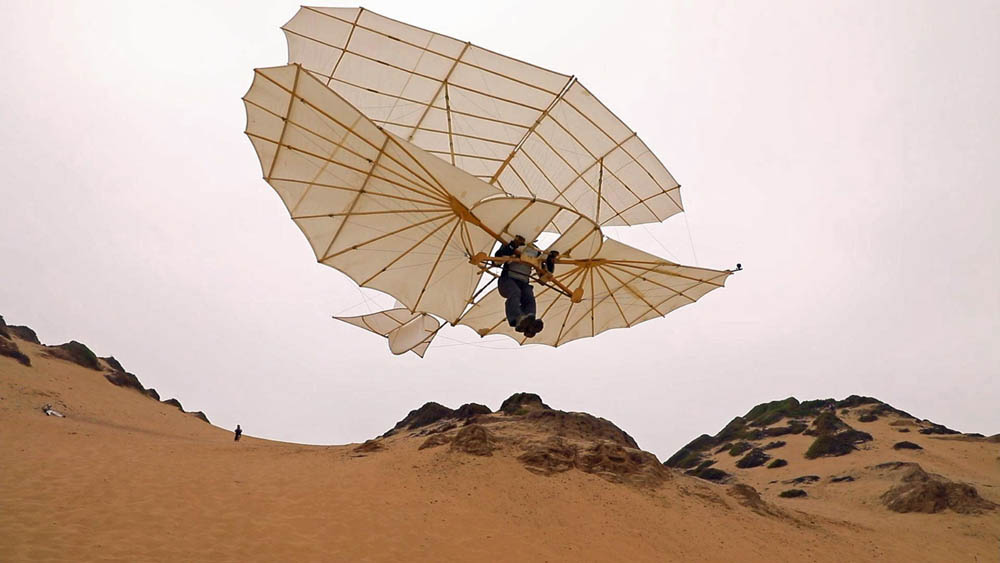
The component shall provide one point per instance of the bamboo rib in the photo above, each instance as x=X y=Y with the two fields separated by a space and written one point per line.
x=337 y=147
x=407 y=251
x=614 y=115
x=600 y=184
x=360 y=213
x=386 y=235
x=523 y=182
x=592 y=330
x=440 y=187
x=463 y=155
x=436 y=262
x=444 y=84
x=418 y=102
x=634 y=292
x=596 y=162
x=666 y=287
x=444 y=132
x=357 y=197
x=624 y=264
x=359 y=170
x=284 y=122
x=429 y=77
x=354 y=189
x=611 y=294
x=613 y=298
x=451 y=139
x=577 y=273
x=346 y=43
x=443 y=55
x=569 y=310
x=341 y=124
x=560 y=192
x=527 y=133
x=592 y=155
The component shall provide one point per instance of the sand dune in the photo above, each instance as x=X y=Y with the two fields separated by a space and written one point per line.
x=127 y=478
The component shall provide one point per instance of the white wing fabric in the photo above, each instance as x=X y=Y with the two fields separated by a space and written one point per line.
x=406 y=331
x=372 y=205
x=623 y=286
x=530 y=131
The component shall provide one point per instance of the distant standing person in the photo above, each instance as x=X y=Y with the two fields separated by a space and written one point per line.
x=238 y=433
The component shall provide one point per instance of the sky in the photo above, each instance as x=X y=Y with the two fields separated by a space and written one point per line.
x=845 y=153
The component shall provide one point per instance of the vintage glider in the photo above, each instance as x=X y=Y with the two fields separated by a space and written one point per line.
x=405 y=157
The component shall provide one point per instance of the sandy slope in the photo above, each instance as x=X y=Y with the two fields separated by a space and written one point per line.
x=124 y=478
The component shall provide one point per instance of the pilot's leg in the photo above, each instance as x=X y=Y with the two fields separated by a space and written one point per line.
x=528 y=299
x=511 y=290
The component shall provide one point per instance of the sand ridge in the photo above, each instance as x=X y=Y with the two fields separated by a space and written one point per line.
x=127 y=478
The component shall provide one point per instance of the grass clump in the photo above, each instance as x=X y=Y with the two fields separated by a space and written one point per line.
x=740 y=448
x=792 y=493
x=777 y=463
x=829 y=446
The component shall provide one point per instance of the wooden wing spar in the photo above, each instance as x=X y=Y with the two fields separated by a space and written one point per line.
x=405 y=157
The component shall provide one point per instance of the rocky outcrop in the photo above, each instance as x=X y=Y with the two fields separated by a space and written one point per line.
x=522 y=403
x=554 y=455
x=429 y=413
x=578 y=425
x=919 y=491
x=370 y=446
x=618 y=464
x=470 y=410
x=23 y=333
x=75 y=352
x=200 y=416
x=435 y=440
x=9 y=348
x=904 y=445
x=474 y=439
x=937 y=429
x=118 y=376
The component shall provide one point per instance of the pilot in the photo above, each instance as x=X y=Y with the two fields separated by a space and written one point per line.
x=515 y=285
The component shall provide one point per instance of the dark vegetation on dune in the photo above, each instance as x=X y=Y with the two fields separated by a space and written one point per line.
x=779 y=418
x=792 y=493
x=755 y=458
x=906 y=446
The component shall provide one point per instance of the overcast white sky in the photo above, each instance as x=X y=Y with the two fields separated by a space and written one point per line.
x=846 y=153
